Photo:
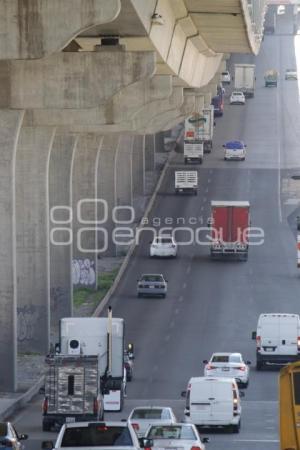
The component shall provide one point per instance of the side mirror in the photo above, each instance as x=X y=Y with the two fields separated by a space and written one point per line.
x=223 y=146
x=242 y=394
x=205 y=361
x=215 y=124
x=146 y=443
x=23 y=437
x=123 y=420
x=166 y=281
x=205 y=440
x=253 y=335
x=183 y=394
x=248 y=363
x=47 y=445
x=245 y=146
x=187 y=413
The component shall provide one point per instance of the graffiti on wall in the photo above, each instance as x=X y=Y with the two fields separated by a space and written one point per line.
x=83 y=272
x=28 y=317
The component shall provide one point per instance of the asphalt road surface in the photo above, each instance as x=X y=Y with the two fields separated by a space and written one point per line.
x=214 y=306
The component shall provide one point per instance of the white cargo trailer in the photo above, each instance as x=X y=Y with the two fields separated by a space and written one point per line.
x=186 y=181
x=244 y=78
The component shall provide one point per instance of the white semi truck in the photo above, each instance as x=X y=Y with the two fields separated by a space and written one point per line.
x=244 y=78
x=104 y=338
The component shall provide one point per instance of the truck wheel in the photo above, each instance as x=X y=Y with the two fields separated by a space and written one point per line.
x=46 y=426
x=259 y=365
x=195 y=192
x=185 y=160
x=200 y=161
x=236 y=428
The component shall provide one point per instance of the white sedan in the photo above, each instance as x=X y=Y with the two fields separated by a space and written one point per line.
x=291 y=74
x=163 y=246
x=229 y=365
x=143 y=416
x=237 y=98
x=181 y=436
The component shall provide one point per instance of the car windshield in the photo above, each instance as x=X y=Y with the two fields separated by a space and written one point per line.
x=147 y=414
x=234 y=145
x=152 y=278
x=3 y=429
x=96 y=435
x=235 y=358
x=225 y=73
x=163 y=240
x=220 y=358
x=237 y=94
x=172 y=432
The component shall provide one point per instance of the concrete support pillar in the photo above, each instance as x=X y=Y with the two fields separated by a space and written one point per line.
x=124 y=212
x=107 y=193
x=32 y=237
x=60 y=203
x=149 y=152
x=159 y=142
x=84 y=204
x=10 y=124
x=138 y=166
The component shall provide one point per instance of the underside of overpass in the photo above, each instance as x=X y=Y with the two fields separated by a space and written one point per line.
x=87 y=87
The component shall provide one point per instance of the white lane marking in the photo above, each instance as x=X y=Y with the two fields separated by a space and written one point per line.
x=184 y=286
x=176 y=311
x=279 y=157
x=188 y=269
x=172 y=324
x=202 y=208
x=209 y=180
x=256 y=440
x=167 y=338
x=180 y=299
x=206 y=190
x=204 y=199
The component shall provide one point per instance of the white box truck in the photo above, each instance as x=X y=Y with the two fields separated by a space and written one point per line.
x=186 y=181
x=244 y=79
x=103 y=337
x=193 y=152
x=206 y=128
x=213 y=402
x=277 y=339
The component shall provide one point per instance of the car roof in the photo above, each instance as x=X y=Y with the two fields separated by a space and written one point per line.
x=86 y=424
x=151 y=407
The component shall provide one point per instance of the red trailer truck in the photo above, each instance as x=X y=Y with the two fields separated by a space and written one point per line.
x=230 y=222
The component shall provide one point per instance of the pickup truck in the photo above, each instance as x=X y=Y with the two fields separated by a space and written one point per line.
x=186 y=181
x=97 y=435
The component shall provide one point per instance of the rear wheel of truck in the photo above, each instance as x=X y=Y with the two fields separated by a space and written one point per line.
x=46 y=426
x=236 y=428
x=195 y=192
x=200 y=161
x=259 y=365
x=185 y=161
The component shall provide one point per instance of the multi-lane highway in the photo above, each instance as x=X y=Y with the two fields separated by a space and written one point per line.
x=214 y=306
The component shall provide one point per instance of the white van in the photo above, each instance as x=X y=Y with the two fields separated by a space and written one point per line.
x=213 y=402
x=277 y=339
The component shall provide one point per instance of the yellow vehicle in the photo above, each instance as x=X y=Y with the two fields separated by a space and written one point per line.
x=289 y=406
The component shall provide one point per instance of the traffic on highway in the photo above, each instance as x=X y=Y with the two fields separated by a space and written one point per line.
x=188 y=355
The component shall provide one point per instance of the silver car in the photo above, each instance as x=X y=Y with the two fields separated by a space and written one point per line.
x=179 y=436
x=142 y=417
x=152 y=285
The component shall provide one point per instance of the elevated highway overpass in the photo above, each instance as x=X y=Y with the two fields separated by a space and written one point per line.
x=87 y=87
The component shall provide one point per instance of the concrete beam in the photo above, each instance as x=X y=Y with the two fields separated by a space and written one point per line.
x=10 y=125
x=84 y=204
x=71 y=80
x=32 y=238
x=34 y=29
x=60 y=196
x=120 y=108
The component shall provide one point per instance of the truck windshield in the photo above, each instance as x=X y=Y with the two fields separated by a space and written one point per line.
x=96 y=436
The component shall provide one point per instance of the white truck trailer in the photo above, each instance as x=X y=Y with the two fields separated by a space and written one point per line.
x=193 y=145
x=186 y=181
x=103 y=337
x=244 y=78
x=206 y=128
